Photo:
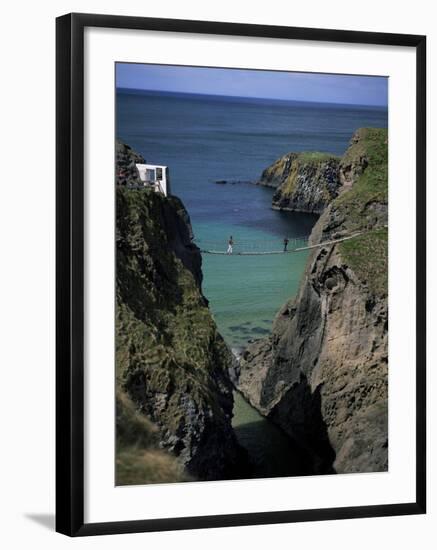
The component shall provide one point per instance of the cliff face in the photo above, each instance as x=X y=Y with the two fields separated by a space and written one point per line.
x=126 y=158
x=323 y=374
x=304 y=182
x=172 y=364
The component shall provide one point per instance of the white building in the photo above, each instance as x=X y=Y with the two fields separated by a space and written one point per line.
x=155 y=176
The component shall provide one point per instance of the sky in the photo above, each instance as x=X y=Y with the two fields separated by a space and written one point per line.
x=323 y=88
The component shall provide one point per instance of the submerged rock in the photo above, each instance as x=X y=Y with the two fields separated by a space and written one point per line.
x=231 y=182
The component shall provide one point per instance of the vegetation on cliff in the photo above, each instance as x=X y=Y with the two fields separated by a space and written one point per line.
x=362 y=206
x=365 y=167
x=323 y=373
x=174 y=393
x=139 y=458
x=126 y=160
x=304 y=182
x=367 y=256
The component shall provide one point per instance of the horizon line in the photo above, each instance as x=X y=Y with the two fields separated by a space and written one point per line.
x=283 y=100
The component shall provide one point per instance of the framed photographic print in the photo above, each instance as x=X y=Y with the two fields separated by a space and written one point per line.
x=240 y=274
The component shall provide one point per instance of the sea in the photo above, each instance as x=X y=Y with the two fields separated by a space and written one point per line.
x=206 y=139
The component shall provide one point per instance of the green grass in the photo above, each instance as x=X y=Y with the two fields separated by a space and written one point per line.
x=315 y=157
x=139 y=461
x=133 y=428
x=372 y=143
x=356 y=207
x=167 y=343
x=364 y=208
x=136 y=466
x=367 y=255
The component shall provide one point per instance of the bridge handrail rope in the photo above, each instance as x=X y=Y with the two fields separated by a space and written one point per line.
x=269 y=252
x=245 y=241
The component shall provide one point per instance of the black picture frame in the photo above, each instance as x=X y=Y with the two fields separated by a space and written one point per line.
x=70 y=273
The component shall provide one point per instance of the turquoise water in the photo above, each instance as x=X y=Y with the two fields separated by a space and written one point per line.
x=245 y=292
x=204 y=139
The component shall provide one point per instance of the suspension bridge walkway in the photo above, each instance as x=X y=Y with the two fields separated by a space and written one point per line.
x=261 y=247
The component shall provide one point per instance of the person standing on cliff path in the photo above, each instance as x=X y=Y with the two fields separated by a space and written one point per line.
x=286 y=241
x=230 y=244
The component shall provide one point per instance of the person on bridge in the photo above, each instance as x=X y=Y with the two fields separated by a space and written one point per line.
x=230 y=245
x=286 y=241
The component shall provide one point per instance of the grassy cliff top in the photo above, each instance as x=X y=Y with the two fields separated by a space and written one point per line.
x=370 y=143
x=368 y=146
x=314 y=166
x=364 y=205
x=315 y=157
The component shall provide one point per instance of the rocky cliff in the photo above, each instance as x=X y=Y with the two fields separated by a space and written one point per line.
x=126 y=172
x=172 y=364
x=304 y=182
x=322 y=375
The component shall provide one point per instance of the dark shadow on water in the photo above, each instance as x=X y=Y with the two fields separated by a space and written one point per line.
x=300 y=411
x=293 y=440
x=271 y=452
x=46 y=520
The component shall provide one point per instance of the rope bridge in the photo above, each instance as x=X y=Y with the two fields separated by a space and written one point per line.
x=258 y=248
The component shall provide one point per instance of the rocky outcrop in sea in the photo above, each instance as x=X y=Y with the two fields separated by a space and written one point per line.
x=304 y=182
x=172 y=364
x=322 y=375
